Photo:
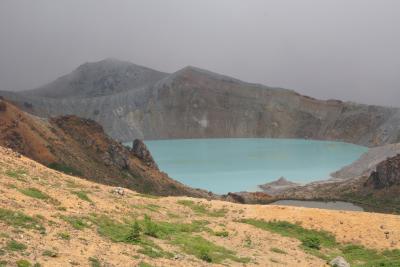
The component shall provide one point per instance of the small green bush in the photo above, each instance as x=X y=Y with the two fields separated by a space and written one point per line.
x=278 y=250
x=134 y=235
x=23 y=263
x=64 y=235
x=50 y=253
x=34 y=193
x=222 y=233
x=15 y=246
x=150 y=228
x=76 y=222
x=82 y=195
x=64 y=168
x=202 y=209
x=312 y=242
x=94 y=262
x=19 y=219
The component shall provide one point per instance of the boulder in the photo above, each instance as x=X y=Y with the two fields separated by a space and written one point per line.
x=339 y=262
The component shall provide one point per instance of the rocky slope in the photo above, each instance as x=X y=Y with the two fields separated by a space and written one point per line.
x=79 y=146
x=386 y=175
x=376 y=190
x=195 y=103
x=51 y=219
x=367 y=163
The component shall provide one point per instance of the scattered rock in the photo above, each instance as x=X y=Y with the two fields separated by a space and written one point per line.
x=339 y=262
x=119 y=190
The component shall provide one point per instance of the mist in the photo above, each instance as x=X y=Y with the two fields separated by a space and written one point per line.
x=342 y=49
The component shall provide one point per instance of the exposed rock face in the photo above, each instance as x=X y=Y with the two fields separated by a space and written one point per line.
x=140 y=150
x=195 y=103
x=387 y=174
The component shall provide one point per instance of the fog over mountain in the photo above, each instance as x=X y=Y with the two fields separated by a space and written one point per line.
x=327 y=49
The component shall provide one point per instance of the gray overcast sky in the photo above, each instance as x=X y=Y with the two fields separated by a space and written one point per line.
x=346 y=49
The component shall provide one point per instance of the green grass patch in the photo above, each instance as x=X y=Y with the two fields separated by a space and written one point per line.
x=278 y=250
x=82 y=195
x=13 y=245
x=180 y=234
x=323 y=244
x=150 y=207
x=23 y=263
x=124 y=232
x=94 y=262
x=17 y=174
x=64 y=169
x=64 y=236
x=206 y=250
x=202 y=209
x=222 y=233
x=143 y=264
x=20 y=220
x=307 y=236
x=78 y=223
x=50 y=253
x=34 y=193
x=361 y=256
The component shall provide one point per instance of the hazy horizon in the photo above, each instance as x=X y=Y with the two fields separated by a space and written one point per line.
x=342 y=49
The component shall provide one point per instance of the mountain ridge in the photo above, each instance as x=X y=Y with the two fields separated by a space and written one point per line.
x=196 y=103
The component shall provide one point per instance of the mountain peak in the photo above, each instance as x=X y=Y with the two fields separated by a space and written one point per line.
x=100 y=78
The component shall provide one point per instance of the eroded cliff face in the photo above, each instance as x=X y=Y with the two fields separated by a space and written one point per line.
x=194 y=103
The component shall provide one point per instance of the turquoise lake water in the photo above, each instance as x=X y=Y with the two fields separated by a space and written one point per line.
x=232 y=165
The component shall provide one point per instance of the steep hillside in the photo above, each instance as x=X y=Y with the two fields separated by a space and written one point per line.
x=79 y=146
x=51 y=219
x=195 y=103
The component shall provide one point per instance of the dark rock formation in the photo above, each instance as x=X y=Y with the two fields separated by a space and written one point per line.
x=248 y=197
x=387 y=174
x=139 y=149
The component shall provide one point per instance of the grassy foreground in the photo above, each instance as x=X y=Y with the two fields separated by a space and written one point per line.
x=324 y=245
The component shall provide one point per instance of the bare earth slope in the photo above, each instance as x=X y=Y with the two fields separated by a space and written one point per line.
x=80 y=146
x=195 y=103
x=54 y=219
